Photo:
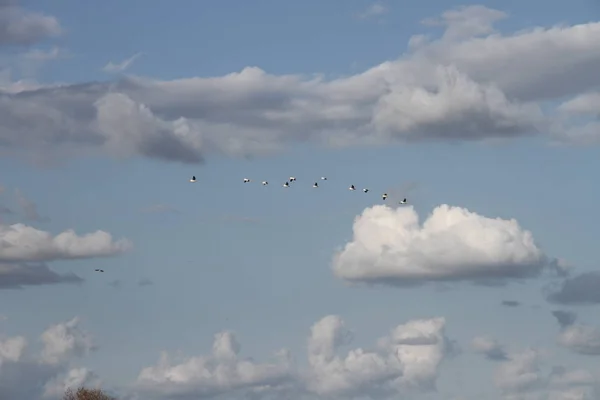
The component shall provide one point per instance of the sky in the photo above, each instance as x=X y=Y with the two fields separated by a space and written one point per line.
x=484 y=116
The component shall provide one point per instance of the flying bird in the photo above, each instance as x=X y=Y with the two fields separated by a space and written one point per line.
x=323 y=178
x=99 y=270
x=365 y=190
x=246 y=180
x=292 y=179
x=384 y=196
x=265 y=183
x=193 y=179
x=316 y=185
x=403 y=201
x=351 y=187
x=286 y=184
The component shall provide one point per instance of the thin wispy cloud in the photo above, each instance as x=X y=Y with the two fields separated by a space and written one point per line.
x=374 y=10
x=123 y=65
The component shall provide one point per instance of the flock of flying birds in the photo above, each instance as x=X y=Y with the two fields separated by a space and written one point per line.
x=384 y=196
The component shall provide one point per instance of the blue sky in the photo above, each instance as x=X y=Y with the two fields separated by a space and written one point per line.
x=487 y=115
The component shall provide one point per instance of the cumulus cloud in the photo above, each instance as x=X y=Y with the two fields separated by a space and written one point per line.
x=64 y=341
x=472 y=83
x=21 y=27
x=22 y=243
x=26 y=375
x=583 y=289
x=406 y=360
x=210 y=376
x=489 y=347
x=24 y=251
x=390 y=246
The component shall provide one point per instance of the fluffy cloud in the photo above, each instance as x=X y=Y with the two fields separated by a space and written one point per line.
x=64 y=341
x=405 y=360
x=472 y=83
x=583 y=289
x=21 y=27
x=21 y=243
x=24 y=251
x=25 y=375
x=390 y=246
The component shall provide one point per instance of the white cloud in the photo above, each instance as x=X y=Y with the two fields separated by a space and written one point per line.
x=21 y=243
x=406 y=360
x=26 y=375
x=24 y=252
x=209 y=376
x=64 y=341
x=472 y=83
x=123 y=65
x=391 y=246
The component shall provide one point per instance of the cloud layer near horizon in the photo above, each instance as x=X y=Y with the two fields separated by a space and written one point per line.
x=406 y=361
x=456 y=87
